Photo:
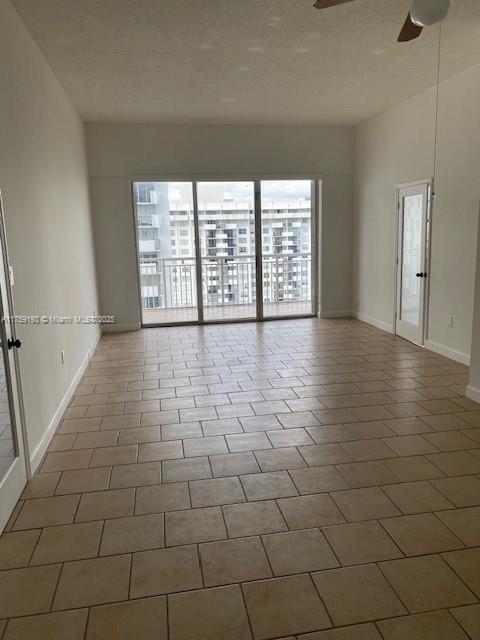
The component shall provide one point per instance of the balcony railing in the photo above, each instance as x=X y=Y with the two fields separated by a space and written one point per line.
x=170 y=283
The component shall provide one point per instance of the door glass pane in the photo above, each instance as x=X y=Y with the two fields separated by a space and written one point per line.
x=7 y=441
x=166 y=251
x=411 y=259
x=286 y=247
x=226 y=216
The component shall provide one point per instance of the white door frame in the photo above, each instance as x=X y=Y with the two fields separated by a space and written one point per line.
x=15 y=478
x=427 y=185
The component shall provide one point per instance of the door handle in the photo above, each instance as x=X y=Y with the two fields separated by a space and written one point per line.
x=421 y=275
x=14 y=343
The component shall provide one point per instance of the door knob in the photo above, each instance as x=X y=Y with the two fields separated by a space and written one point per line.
x=14 y=343
x=421 y=275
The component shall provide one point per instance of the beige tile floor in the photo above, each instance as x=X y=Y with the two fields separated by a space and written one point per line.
x=309 y=479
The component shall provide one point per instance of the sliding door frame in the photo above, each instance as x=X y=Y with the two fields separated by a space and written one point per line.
x=198 y=255
x=258 y=251
x=315 y=225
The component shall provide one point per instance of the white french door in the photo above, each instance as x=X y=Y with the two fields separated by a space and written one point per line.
x=412 y=260
x=13 y=472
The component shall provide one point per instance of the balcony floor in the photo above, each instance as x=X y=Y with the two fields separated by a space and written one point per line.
x=225 y=312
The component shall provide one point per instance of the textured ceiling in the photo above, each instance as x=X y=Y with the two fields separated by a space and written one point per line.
x=242 y=61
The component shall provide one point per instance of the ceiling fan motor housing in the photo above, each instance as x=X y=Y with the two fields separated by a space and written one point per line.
x=427 y=12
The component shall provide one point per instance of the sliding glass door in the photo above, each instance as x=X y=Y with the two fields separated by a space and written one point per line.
x=286 y=222
x=166 y=252
x=215 y=251
x=226 y=220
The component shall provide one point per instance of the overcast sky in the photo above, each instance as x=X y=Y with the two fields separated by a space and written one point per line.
x=243 y=191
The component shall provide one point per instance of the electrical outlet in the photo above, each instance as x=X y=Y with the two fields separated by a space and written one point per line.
x=449 y=320
x=62 y=356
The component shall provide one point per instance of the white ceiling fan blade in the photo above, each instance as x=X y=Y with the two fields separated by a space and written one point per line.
x=409 y=31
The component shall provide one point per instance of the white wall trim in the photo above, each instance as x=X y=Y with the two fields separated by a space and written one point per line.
x=379 y=324
x=111 y=328
x=472 y=393
x=39 y=451
x=453 y=354
x=346 y=313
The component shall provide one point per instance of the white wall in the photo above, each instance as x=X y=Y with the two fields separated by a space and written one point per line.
x=397 y=147
x=44 y=182
x=118 y=152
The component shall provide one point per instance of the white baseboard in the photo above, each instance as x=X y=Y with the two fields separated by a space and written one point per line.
x=453 y=354
x=473 y=393
x=346 y=313
x=111 y=328
x=379 y=324
x=39 y=451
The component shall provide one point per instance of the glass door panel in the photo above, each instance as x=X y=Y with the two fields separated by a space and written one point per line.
x=411 y=258
x=226 y=219
x=13 y=466
x=7 y=439
x=286 y=222
x=13 y=474
x=166 y=251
